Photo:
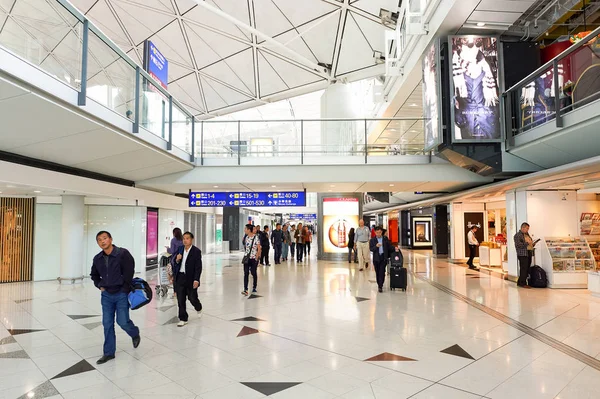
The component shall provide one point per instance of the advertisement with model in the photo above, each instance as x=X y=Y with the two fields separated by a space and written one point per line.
x=431 y=97
x=475 y=88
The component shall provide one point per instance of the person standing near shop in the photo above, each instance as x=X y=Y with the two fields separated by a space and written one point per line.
x=473 y=244
x=293 y=241
x=299 y=237
x=286 y=242
x=307 y=241
x=277 y=241
x=382 y=249
x=362 y=237
x=524 y=247
x=112 y=272
x=251 y=256
x=265 y=245
x=351 y=249
x=187 y=269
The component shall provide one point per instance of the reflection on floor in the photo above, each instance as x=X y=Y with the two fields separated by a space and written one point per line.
x=316 y=330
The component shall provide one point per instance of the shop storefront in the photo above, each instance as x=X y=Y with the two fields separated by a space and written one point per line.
x=567 y=224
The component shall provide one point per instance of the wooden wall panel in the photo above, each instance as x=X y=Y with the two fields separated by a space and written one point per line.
x=16 y=239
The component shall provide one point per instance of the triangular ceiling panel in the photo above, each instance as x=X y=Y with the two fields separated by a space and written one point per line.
x=216 y=92
x=270 y=19
x=223 y=72
x=310 y=10
x=138 y=23
x=319 y=36
x=106 y=21
x=373 y=6
x=177 y=71
x=293 y=42
x=217 y=50
x=356 y=52
x=218 y=44
x=183 y=6
x=170 y=43
x=187 y=91
x=202 y=16
x=203 y=53
x=268 y=79
x=372 y=31
x=159 y=5
x=291 y=74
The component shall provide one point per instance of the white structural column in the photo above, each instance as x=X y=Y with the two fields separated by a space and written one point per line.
x=339 y=137
x=72 y=238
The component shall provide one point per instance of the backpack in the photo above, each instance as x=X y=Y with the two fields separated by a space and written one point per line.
x=537 y=277
x=396 y=259
x=140 y=295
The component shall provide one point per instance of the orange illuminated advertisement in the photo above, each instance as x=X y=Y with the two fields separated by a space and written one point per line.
x=339 y=216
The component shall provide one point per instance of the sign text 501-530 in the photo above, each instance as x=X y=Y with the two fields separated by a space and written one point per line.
x=247 y=199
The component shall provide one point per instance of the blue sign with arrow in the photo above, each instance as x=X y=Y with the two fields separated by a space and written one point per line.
x=247 y=199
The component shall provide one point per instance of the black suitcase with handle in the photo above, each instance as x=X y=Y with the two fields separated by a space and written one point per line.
x=398 y=273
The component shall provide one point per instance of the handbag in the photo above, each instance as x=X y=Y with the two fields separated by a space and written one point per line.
x=246 y=257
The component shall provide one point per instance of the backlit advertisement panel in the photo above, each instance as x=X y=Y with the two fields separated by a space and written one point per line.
x=474 y=88
x=152 y=237
x=339 y=216
x=431 y=97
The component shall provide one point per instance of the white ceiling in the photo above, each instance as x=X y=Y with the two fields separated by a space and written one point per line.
x=35 y=127
x=217 y=67
x=497 y=15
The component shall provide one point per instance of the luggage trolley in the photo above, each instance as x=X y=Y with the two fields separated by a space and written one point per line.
x=164 y=266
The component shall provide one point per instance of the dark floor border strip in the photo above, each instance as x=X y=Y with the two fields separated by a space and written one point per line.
x=554 y=343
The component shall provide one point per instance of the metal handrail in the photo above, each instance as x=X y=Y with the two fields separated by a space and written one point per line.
x=548 y=65
x=313 y=120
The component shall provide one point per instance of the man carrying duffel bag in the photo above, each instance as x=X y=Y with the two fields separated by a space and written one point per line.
x=112 y=273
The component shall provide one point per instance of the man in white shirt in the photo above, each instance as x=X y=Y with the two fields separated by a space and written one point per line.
x=362 y=237
x=187 y=269
x=473 y=244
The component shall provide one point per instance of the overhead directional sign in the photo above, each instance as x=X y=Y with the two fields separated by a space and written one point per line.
x=303 y=216
x=247 y=199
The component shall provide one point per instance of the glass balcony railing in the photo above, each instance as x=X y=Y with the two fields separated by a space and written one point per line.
x=57 y=38
x=302 y=140
x=566 y=83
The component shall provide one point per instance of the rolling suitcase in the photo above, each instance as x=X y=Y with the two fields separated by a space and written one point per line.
x=398 y=273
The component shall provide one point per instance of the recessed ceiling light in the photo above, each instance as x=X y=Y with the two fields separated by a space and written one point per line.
x=333 y=185
x=329 y=190
x=391 y=185
x=37 y=191
x=413 y=105
x=216 y=186
x=10 y=186
x=586 y=180
x=381 y=189
x=481 y=24
x=273 y=186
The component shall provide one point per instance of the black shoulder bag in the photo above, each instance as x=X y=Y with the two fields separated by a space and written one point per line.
x=246 y=257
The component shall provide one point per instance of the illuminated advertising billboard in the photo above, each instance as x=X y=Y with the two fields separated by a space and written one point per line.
x=431 y=97
x=339 y=216
x=474 y=87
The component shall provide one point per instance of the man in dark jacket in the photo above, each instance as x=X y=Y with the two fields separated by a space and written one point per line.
x=277 y=241
x=112 y=272
x=265 y=244
x=187 y=269
x=382 y=248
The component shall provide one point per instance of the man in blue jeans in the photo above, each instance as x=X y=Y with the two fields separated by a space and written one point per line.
x=112 y=272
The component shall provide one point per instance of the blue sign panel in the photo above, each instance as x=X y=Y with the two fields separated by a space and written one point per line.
x=157 y=65
x=303 y=216
x=213 y=199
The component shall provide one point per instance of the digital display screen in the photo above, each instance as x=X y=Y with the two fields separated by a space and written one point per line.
x=339 y=216
x=474 y=88
x=431 y=97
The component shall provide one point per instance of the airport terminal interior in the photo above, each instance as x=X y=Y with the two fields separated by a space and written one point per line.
x=359 y=199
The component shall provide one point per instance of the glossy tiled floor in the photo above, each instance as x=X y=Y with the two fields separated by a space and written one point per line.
x=316 y=330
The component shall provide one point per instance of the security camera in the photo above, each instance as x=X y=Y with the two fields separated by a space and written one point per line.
x=535 y=24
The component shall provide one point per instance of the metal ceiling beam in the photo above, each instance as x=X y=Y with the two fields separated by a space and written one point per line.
x=305 y=61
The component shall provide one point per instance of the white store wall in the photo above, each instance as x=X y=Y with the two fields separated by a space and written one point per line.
x=127 y=225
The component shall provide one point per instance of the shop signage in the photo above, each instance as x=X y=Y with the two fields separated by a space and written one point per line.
x=247 y=199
